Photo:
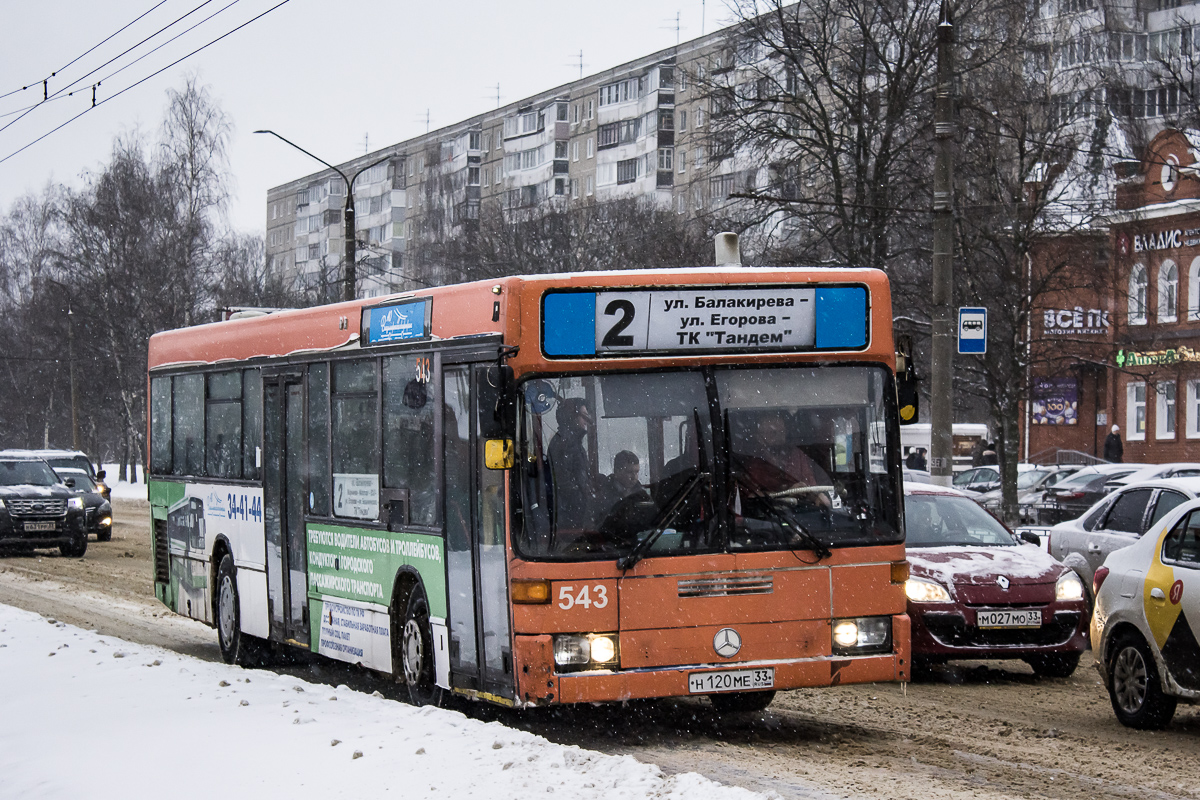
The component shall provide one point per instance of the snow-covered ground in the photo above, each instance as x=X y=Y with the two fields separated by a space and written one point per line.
x=85 y=715
x=121 y=489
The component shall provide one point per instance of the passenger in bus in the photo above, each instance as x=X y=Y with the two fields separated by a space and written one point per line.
x=575 y=483
x=771 y=461
x=623 y=482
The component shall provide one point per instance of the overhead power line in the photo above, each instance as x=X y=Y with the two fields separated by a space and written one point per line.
x=86 y=52
x=99 y=103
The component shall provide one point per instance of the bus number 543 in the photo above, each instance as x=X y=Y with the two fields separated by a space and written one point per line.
x=587 y=597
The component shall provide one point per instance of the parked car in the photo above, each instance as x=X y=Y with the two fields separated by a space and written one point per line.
x=917 y=476
x=978 y=479
x=72 y=459
x=36 y=510
x=1032 y=484
x=1147 y=621
x=1117 y=521
x=1183 y=469
x=97 y=510
x=978 y=591
x=1072 y=496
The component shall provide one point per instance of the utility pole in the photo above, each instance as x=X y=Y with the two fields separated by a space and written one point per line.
x=350 y=278
x=941 y=461
x=74 y=389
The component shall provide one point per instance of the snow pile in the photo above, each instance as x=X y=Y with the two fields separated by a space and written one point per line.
x=86 y=715
x=122 y=490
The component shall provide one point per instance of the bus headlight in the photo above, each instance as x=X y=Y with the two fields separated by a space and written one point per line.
x=580 y=651
x=862 y=635
x=1069 y=587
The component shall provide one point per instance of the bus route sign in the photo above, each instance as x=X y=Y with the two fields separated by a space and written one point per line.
x=704 y=320
x=397 y=322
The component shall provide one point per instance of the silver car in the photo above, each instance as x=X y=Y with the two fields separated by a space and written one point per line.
x=1032 y=483
x=1117 y=521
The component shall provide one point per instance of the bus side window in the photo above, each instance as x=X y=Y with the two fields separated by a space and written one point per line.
x=188 y=425
x=409 y=402
x=252 y=410
x=223 y=425
x=160 y=427
x=355 y=434
x=318 y=440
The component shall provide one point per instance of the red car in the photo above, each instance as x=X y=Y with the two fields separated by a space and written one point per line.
x=977 y=591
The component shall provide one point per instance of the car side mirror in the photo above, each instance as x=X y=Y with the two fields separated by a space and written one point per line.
x=69 y=483
x=100 y=474
x=1029 y=537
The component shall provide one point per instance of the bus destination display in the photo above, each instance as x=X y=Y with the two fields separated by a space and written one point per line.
x=398 y=322
x=704 y=320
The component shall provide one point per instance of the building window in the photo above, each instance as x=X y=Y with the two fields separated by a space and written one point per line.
x=1168 y=292
x=1135 y=412
x=681 y=118
x=475 y=140
x=591 y=147
x=560 y=149
x=682 y=75
x=699 y=157
x=591 y=185
x=627 y=170
x=1193 y=410
x=1138 y=285
x=720 y=187
x=1193 y=297
x=666 y=158
x=1164 y=411
x=681 y=161
x=699 y=117
x=575 y=114
x=560 y=186
x=472 y=176
x=574 y=151
x=560 y=112
x=591 y=109
x=574 y=187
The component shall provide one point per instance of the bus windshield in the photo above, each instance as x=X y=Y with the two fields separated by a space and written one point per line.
x=706 y=460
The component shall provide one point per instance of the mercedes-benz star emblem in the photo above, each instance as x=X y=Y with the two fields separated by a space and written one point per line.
x=727 y=643
x=1003 y=581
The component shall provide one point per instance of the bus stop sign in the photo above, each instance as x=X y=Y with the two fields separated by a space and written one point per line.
x=972 y=330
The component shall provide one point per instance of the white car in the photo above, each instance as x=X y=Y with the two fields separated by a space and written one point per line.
x=1147 y=620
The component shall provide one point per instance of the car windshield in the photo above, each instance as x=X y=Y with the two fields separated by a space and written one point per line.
x=1031 y=478
x=706 y=461
x=73 y=462
x=26 y=473
x=938 y=520
x=82 y=482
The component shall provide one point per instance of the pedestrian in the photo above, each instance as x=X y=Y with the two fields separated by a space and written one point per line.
x=977 y=452
x=1114 y=450
x=989 y=456
x=921 y=463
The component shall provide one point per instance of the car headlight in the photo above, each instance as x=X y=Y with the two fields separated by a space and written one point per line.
x=75 y=503
x=862 y=635
x=2 y=506
x=105 y=522
x=1069 y=587
x=580 y=651
x=920 y=591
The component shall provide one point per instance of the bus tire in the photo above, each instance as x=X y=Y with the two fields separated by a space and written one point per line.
x=236 y=647
x=415 y=652
x=740 y=702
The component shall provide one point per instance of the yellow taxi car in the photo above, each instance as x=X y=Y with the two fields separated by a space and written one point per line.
x=1147 y=620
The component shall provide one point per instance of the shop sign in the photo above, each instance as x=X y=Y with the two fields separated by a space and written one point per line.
x=1175 y=355
x=1074 y=321
x=1163 y=240
x=1055 y=401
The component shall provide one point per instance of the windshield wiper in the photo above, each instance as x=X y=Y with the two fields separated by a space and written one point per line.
x=789 y=521
x=667 y=515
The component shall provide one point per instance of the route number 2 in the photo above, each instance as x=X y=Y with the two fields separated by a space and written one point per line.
x=587 y=597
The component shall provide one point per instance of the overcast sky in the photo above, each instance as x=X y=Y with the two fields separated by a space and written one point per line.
x=323 y=73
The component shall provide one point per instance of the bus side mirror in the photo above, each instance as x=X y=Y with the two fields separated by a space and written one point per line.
x=498 y=453
x=908 y=395
x=497 y=403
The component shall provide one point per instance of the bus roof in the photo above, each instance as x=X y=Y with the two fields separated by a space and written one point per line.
x=509 y=307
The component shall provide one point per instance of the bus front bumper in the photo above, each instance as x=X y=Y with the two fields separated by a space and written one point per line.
x=540 y=684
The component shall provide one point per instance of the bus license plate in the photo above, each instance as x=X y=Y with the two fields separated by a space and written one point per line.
x=1007 y=618
x=41 y=526
x=733 y=680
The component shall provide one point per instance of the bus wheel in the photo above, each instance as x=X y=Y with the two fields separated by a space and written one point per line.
x=740 y=702
x=236 y=647
x=416 y=652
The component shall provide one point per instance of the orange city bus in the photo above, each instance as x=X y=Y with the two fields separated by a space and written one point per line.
x=546 y=489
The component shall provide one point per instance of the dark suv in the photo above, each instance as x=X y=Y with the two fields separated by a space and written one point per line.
x=38 y=511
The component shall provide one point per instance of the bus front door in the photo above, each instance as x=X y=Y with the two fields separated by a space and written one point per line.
x=283 y=512
x=477 y=565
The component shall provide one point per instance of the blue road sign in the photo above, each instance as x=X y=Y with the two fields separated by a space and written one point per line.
x=972 y=330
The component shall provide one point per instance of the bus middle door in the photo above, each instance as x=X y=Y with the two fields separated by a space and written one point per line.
x=283 y=507
x=477 y=562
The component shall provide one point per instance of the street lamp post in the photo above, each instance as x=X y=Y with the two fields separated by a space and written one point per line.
x=350 y=276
